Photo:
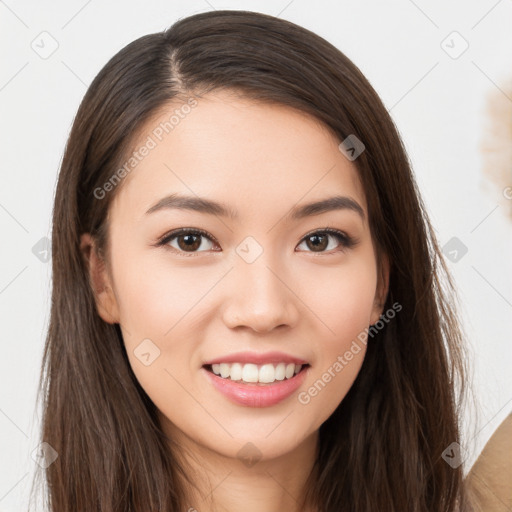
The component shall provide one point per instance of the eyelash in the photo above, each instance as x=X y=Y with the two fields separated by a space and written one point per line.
x=346 y=241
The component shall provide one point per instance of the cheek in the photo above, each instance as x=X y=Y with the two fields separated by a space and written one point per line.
x=344 y=302
x=156 y=307
x=343 y=298
x=154 y=298
x=161 y=303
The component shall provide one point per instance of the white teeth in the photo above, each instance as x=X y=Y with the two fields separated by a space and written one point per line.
x=280 y=371
x=224 y=370
x=252 y=373
x=267 y=373
x=236 y=372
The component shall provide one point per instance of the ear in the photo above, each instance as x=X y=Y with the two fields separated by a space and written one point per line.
x=381 y=292
x=99 y=279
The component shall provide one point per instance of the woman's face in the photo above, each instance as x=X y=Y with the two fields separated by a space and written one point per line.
x=263 y=289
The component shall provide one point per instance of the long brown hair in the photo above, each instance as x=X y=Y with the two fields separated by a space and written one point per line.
x=382 y=448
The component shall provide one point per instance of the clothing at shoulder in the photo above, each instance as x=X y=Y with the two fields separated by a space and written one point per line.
x=490 y=479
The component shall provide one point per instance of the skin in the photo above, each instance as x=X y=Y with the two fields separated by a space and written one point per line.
x=260 y=160
x=489 y=478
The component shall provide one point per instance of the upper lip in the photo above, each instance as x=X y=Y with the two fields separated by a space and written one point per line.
x=257 y=358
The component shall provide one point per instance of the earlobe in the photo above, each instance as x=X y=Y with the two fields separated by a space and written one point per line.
x=99 y=280
x=382 y=289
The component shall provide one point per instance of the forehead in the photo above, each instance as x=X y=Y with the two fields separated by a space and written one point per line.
x=250 y=155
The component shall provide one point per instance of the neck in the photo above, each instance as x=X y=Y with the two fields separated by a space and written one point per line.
x=224 y=484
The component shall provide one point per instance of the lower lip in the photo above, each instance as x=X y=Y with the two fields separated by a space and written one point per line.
x=254 y=395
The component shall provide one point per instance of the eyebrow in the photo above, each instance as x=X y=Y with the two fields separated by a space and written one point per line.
x=208 y=206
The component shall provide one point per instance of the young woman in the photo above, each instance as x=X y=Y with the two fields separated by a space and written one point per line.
x=249 y=308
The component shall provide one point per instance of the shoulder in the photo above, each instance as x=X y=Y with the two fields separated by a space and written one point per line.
x=489 y=481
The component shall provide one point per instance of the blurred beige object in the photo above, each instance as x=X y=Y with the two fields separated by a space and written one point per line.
x=496 y=144
x=490 y=479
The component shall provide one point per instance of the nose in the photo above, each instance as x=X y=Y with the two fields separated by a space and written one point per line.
x=260 y=298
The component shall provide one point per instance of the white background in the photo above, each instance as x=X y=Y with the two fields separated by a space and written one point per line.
x=438 y=103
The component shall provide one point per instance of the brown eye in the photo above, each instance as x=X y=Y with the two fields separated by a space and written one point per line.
x=188 y=241
x=320 y=241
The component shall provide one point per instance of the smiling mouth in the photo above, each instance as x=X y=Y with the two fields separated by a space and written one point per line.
x=260 y=375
